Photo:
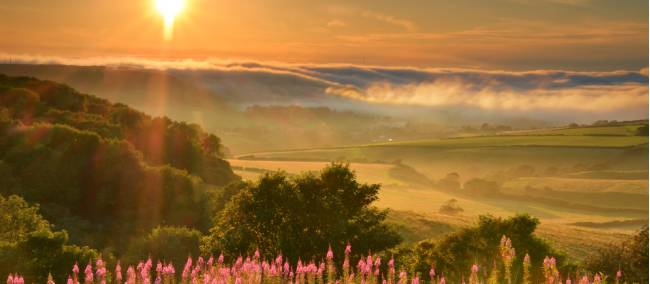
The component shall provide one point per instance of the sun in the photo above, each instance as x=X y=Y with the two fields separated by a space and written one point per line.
x=169 y=9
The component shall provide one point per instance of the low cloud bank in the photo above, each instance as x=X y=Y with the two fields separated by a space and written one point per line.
x=539 y=92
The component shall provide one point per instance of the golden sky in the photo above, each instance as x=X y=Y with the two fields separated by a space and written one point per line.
x=501 y=34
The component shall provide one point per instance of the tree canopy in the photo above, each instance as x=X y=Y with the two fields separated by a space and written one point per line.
x=29 y=245
x=103 y=171
x=300 y=216
x=457 y=252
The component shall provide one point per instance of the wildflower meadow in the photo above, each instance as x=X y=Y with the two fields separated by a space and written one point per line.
x=370 y=269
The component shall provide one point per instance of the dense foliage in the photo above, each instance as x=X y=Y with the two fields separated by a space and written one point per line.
x=631 y=255
x=299 y=216
x=29 y=245
x=169 y=244
x=480 y=245
x=102 y=171
x=160 y=140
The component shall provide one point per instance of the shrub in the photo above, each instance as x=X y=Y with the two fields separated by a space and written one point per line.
x=480 y=245
x=169 y=244
x=629 y=257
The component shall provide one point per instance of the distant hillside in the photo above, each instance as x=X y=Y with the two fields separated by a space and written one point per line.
x=154 y=91
x=206 y=98
x=103 y=170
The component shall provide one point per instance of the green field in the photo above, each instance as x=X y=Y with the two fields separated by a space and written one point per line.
x=588 y=185
x=526 y=140
x=366 y=172
x=576 y=242
x=622 y=130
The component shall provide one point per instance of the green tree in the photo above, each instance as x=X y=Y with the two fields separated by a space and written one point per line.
x=29 y=246
x=456 y=253
x=301 y=216
x=18 y=219
x=168 y=244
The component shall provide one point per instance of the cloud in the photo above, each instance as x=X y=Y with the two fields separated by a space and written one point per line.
x=541 y=94
x=562 y=2
x=392 y=20
x=457 y=94
x=336 y=24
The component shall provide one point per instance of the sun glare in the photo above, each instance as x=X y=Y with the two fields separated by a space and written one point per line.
x=169 y=9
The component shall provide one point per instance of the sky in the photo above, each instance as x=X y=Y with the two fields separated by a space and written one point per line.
x=513 y=35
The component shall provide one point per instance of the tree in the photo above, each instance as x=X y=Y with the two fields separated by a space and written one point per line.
x=457 y=252
x=18 y=219
x=301 y=216
x=169 y=244
x=29 y=246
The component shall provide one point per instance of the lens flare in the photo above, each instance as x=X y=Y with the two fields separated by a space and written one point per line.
x=169 y=9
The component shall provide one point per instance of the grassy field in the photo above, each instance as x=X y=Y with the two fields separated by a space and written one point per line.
x=579 y=185
x=622 y=130
x=414 y=209
x=524 y=140
x=610 y=193
x=596 y=193
x=398 y=195
x=366 y=172
x=576 y=242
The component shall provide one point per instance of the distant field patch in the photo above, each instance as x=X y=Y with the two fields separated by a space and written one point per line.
x=527 y=140
x=622 y=130
x=366 y=172
x=578 y=185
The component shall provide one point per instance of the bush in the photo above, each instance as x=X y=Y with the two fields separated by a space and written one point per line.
x=168 y=244
x=18 y=219
x=457 y=252
x=28 y=245
x=630 y=256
